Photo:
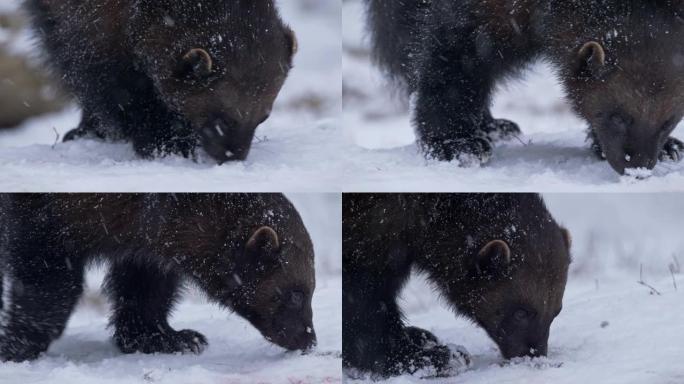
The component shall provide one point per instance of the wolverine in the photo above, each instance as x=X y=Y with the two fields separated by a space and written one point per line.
x=169 y=76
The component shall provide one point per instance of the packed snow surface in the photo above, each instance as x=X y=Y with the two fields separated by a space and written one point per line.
x=612 y=329
x=237 y=353
x=551 y=155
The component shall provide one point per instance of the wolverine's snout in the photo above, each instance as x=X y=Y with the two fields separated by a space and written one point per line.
x=226 y=140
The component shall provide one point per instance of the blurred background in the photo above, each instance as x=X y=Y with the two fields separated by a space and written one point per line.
x=322 y=215
x=616 y=235
x=26 y=90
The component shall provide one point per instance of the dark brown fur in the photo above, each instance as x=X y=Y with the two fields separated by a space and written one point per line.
x=154 y=242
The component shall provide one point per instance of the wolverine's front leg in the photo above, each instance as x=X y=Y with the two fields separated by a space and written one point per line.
x=41 y=290
x=454 y=87
x=142 y=296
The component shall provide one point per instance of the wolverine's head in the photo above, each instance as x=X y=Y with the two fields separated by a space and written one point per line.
x=624 y=73
x=519 y=285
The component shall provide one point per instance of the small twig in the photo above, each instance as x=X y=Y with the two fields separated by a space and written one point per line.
x=642 y=282
x=521 y=141
x=56 y=138
x=674 y=268
x=261 y=139
x=672 y=273
x=675 y=265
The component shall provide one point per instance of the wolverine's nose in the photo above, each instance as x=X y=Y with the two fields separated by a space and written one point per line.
x=633 y=160
x=306 y=340
x=639 y=160
x=300 y=337
x=525 y=349
x=537 y=350
x=226 y=140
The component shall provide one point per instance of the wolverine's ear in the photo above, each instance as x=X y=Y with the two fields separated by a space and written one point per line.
x=567 y=237
x=196 y=63
x=493 y=257
x=592 y=59
x=292 y=42
x=264 y=241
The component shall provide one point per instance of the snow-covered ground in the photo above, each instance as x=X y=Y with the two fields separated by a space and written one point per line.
x=237 y=353
x=612 y=329
x=296 y=149
x=551 y=155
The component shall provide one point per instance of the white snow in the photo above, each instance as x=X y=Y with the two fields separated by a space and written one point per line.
x=611 y=329
x=237 y=353
x=552 y=155
x=295 y=149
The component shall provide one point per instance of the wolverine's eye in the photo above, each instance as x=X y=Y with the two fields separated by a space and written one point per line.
x=522 y=315
x=296 y=300
x=620 y=123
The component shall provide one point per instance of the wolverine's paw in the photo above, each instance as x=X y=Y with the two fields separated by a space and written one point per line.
x=167 y=341
x=469 y=152
x=672 y=150
x=501 y=130
x=426 y=353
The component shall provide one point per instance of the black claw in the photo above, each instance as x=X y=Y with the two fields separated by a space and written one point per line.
x=420 y=336
x=73 y=135
x=672 y=150
x=501 y=129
